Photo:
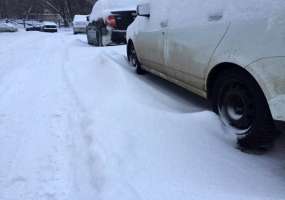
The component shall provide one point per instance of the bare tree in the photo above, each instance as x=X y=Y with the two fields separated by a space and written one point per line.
x=65 y=8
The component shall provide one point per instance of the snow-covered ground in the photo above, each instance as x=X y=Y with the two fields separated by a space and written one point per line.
x=76 y=123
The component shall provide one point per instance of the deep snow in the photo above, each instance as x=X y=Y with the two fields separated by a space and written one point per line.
x=76 y=122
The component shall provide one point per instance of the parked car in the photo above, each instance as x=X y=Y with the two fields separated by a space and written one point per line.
x=8 y=27
x=80 y=23
x=234 y=56
x=109 y=22
x=34 y=27
x=49 y=27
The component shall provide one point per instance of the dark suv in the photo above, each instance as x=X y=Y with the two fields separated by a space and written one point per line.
x=110 y=28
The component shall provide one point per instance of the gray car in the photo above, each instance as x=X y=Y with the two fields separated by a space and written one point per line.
x=8 y=27
x=95 y=31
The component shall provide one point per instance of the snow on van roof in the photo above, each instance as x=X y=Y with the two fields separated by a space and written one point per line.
x=235 y=8
x=103 y=8
x=197 y=11
x=80 y=18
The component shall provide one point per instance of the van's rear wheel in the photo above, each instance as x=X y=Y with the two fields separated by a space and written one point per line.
x=88 y=39
x=133 y=59
x=99 y=39
x=241 y=105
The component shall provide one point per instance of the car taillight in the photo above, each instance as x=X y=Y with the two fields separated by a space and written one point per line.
x=111 y=21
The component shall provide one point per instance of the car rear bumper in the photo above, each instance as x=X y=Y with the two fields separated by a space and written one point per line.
x=79 y=29
x=8 y=30
x=49 y=30
x=277 y=107
x=270 y=75
x=118 y=36
x=33 y=29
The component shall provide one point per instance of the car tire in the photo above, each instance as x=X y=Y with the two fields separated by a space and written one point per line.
x=88 y=39
x=99 y=39
x=133 y=59
x=241 y=105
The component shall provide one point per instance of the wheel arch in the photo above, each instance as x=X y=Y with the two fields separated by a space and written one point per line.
x=220 y=68
x=129 y=43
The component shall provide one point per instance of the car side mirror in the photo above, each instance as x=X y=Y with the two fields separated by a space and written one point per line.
x=88 y=18
x=143 y=10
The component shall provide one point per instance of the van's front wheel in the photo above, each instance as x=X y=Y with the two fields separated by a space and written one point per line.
x=99 y=39
x=241 y=105
x=133 y=59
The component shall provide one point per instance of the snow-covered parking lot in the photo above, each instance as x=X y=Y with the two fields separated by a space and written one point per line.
x=76 y=123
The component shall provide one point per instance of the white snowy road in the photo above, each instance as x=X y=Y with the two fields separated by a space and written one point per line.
x=76 y=123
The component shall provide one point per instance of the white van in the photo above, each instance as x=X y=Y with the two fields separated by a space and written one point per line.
x=231 y=52
x=80 y=23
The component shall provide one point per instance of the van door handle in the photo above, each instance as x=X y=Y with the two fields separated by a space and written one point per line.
x=164 y=24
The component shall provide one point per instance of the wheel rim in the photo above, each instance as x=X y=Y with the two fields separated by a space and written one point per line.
x=236 y=107
x=133 y=57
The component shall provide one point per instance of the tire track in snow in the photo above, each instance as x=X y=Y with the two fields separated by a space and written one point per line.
x=91 y=163
x=50 y=178
x=12 y=163
x=96 y=156
x=87 y=181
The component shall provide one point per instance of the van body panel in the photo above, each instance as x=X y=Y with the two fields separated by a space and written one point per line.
x=185 y=53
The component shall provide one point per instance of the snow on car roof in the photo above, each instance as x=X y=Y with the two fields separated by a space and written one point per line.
x=104 y=7
x=6 y=24
x=47 y=23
